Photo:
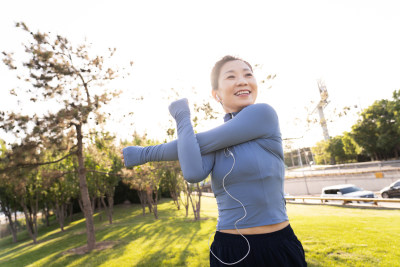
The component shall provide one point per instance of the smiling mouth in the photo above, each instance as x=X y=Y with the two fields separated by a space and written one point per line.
x=243 y=93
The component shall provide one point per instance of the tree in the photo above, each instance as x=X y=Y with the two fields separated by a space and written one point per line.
x=335 y=148
x=394 y=107
x=376 y=131
x=8 y=203
x=350 y=147
x=137 y=182
x=70 y=75
x=145 y=179
x=104 y=164
x=321 y=153
x=172 y=179
x=60 y=186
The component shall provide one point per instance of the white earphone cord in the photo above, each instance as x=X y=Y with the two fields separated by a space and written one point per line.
x=245 y=213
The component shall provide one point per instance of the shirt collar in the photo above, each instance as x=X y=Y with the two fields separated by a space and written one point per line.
x=229 y=116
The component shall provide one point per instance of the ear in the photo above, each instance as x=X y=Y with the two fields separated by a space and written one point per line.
x=214 y=94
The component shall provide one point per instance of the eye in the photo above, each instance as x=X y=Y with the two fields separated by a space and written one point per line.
x=249 y=74
x=231 y=77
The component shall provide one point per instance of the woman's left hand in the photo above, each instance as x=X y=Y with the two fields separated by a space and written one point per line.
x=179 y=107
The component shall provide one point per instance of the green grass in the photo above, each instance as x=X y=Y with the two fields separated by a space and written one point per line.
x=331 y=236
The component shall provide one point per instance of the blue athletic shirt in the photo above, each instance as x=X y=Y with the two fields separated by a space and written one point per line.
x=257 y=178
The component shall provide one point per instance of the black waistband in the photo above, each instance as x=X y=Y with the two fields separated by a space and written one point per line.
x=285 y=232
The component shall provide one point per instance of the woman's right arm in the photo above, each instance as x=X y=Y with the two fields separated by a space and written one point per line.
x=255 y=121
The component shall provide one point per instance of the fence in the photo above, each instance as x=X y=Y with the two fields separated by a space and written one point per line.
x=345 y=199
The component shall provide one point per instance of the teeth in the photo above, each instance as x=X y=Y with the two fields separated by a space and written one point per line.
x=242 y=92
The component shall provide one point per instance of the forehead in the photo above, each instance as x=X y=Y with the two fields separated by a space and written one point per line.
x=234 y=65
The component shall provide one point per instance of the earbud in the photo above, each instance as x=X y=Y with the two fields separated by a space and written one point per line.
x=218 y=98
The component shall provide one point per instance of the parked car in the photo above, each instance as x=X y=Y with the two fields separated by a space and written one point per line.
x=392 y=190
x=346 y=190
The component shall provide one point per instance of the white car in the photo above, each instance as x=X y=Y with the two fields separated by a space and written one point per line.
x=346 y=190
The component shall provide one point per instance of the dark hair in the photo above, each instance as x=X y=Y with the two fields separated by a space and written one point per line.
x=217 y=69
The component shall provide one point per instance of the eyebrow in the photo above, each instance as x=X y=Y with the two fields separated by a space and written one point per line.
x=229 y=71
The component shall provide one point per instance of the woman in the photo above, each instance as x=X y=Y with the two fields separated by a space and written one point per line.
x=245 y=159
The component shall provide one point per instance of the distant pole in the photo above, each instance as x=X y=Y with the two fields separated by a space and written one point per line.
x=299 y=155
x=320 y=106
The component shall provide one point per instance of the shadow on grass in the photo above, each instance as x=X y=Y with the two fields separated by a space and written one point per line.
x=155 y=237
x=157 y=240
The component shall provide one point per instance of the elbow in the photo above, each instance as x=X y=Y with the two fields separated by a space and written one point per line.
x=194 y=177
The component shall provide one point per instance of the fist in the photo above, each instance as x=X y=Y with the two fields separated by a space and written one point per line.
x=121 y=155
x=179 y=108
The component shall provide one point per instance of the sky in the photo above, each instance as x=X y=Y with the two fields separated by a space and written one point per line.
x=352 y=45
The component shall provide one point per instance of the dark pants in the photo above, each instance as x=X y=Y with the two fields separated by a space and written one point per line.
x=280 y=248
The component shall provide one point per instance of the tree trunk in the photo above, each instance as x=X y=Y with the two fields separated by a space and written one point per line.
x=99 y=209
x=155 y=210
x=15 y=217
x=199 y=202
x=29 y=225
x=93 y=202
x=60 y=215
x=87 y=208
x=174 y=197
x=46 y=211
x=13 y=227
x=80 y=204
x=187 y=202
x=35 y=211
x=109 y=208
x=151 y=201
x=71 y=211
x=192 y=202
x=193 y=207
x=187 y=205
x=142 y=198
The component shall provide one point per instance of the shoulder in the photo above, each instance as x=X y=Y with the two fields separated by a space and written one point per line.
x=260 y=109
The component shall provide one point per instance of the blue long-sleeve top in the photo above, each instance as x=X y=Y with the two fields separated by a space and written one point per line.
x=257 y=178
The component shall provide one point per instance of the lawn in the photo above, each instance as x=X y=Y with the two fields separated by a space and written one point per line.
x=331 y=236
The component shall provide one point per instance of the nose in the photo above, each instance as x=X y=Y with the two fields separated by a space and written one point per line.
x=242 y=81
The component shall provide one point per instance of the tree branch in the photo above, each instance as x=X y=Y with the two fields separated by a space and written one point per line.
x=109 y=173
x=33 y=165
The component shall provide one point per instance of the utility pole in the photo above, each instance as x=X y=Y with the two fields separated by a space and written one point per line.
x=320 y=106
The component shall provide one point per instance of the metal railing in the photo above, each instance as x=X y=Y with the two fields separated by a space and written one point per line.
x=344 y=169
x=345 y=199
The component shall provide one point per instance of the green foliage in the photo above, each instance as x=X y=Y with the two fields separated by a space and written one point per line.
x=103 y=164
x=377 y=132
x=335 y=148
x=321 y=152
x=376 y=135
x=350 y=147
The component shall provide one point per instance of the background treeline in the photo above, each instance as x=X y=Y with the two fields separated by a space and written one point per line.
x=375 y=136
x=51 y=191
x=61 y=161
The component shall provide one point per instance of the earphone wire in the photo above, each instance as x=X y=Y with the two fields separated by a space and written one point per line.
x=245 y=214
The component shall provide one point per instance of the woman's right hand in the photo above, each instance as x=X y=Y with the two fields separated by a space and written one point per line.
x=121 y=155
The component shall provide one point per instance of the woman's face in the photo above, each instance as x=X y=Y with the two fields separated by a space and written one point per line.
x=237 y=87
